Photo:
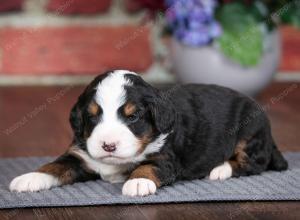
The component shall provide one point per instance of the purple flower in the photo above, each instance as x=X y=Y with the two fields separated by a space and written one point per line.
x=192 y=21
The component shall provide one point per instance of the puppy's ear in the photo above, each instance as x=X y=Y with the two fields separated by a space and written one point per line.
x=163 y=114
x=76 y=122
x=76 y=115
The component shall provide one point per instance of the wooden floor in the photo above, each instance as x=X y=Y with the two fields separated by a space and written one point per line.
x=34 y=122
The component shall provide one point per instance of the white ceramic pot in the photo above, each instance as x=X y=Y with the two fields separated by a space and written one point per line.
x=208 y=65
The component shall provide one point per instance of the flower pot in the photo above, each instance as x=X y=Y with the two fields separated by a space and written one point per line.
x=209 y=65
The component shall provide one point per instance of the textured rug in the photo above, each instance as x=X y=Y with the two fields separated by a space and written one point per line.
x=268 y=186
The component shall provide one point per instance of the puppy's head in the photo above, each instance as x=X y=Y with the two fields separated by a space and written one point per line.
x=119 y=118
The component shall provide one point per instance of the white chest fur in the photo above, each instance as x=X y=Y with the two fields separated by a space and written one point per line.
x=110 y=173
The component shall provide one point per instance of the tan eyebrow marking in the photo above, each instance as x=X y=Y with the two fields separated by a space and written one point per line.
x=129 y=109
x=93 y=108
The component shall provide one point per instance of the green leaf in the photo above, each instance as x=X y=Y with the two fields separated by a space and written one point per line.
x=292 y=14
x=245 y=48
x=234 y=17
x=242 y=39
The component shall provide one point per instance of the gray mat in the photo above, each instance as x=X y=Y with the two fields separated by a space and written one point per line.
x=268 y=186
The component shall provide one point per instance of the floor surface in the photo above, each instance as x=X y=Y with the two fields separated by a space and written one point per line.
x=34 y=122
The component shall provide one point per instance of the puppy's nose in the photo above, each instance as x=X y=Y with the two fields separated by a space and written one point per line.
x=111 y=147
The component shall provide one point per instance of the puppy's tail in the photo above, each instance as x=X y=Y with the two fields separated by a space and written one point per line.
x=277 y=162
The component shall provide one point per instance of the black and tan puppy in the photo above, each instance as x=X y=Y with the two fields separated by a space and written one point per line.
x=126 y=130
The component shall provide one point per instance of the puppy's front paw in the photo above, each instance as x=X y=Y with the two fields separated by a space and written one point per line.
x=138 y=187
x=31 y=182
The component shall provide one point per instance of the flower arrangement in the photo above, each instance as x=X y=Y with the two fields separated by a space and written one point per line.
x=238 y=27
x=193 y=22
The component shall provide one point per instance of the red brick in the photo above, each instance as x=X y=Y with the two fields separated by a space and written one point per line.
x=66 y=7
x=10 y=5
x=133 y=5
x=74 y=50
x=152 y=6
x=291 y=49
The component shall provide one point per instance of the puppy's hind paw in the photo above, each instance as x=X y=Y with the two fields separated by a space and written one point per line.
x=221 y=172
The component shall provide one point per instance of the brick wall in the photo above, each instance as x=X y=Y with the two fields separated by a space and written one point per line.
x=291 y=50
x=56 y=37
x=77 y=37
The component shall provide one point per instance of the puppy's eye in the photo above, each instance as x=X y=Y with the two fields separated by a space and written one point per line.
x=93 y=118
x=133 y=118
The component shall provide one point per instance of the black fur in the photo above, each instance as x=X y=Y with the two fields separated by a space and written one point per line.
x=205 y=123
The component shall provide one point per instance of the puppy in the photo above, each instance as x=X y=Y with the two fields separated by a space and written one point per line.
x=127 y=131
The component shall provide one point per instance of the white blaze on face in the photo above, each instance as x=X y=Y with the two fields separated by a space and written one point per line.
x=110 y=96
